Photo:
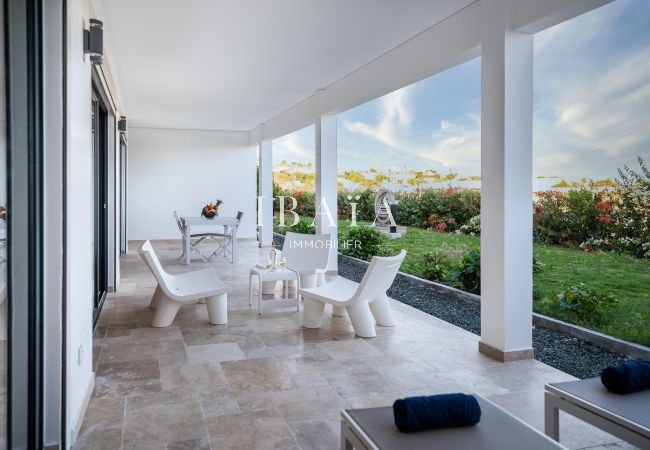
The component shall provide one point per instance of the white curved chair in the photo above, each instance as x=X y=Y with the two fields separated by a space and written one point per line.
x=308 y=255
x=362 y=300
x=174 y=290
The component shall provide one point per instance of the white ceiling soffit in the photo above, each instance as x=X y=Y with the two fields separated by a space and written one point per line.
x=229 y=65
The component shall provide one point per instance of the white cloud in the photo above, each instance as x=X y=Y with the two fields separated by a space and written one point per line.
x=395 y=117
x=549 y=164
x=592 y=83
x=577 y=33
x=456 y=144
x=290 y=148
x=610 y=112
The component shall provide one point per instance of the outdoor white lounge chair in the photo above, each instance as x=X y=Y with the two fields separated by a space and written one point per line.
x=362 y=300
x=308 y=255
x=174 y=290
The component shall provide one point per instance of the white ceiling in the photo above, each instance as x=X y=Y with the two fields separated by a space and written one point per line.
x=230 y=65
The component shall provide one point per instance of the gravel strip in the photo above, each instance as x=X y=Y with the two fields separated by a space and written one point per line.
x=572 y=355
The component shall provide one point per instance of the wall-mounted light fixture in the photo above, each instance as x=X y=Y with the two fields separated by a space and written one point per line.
x=121 y=125
x=94 y=41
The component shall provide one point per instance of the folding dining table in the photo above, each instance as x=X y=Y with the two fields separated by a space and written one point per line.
x=228 y=223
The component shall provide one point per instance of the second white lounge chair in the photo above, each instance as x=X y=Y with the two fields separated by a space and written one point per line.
x=175 y=290
x=361 y=300
x=308 y=255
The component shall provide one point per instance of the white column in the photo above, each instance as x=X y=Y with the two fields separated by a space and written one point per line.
x=265 y=210
x=326 y=148
x=506 y=186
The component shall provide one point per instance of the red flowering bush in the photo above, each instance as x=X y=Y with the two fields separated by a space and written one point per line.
x=613 y=220
x=566 y=219
x=426 y=208
x=441 y=224
x=604 y=211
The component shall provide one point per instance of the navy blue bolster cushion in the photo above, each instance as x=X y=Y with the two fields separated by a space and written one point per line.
x=631 y=376
x=435 y=411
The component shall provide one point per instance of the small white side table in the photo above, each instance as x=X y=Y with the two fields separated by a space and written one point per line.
x=266 y=278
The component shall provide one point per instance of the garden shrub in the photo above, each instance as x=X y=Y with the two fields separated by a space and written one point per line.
x=633 y=210
x=304 y=226
x=430 y=208
x=365 y=201
x=371 y=243
x=441 y=224
x=472 y=227
x=435 y=266
x=564 y=218
x=464 y=274
x=424 y=208
x=612 y=220
x=467 y=273
x=581 y=303
x=306 y=202
x=411 y=211
x=464 y=204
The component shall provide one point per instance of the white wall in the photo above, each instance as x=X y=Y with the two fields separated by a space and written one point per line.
x=79 y=245
x=183 y=170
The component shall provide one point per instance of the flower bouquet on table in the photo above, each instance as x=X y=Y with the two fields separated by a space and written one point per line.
x=211 y=210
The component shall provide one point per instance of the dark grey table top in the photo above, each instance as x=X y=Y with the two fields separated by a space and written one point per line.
x=633 y=407
x=497 y=430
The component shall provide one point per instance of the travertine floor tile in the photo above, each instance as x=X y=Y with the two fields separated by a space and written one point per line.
x=208 y=353
x=150 y=334
x=115 y=379
x=317 y=434
x=161 y=418
x=252 y=430
x=104 y=415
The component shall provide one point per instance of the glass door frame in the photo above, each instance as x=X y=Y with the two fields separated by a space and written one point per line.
x=123 y=149
x=100 y=122
x=23 y=22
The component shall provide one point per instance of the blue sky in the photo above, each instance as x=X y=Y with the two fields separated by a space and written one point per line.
x=591 y=107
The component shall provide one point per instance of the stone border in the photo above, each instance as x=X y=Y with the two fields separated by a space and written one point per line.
x=602 y=340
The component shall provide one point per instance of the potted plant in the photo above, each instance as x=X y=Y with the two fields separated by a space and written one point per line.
x=211 y=210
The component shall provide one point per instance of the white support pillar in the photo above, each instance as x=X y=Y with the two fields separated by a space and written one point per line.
x=265 y=205
x=506 y=186
x=326 y=179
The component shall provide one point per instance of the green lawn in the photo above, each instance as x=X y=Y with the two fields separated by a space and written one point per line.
x=625 y=277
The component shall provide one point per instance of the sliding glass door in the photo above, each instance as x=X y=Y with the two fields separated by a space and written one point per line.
x=100 y=199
